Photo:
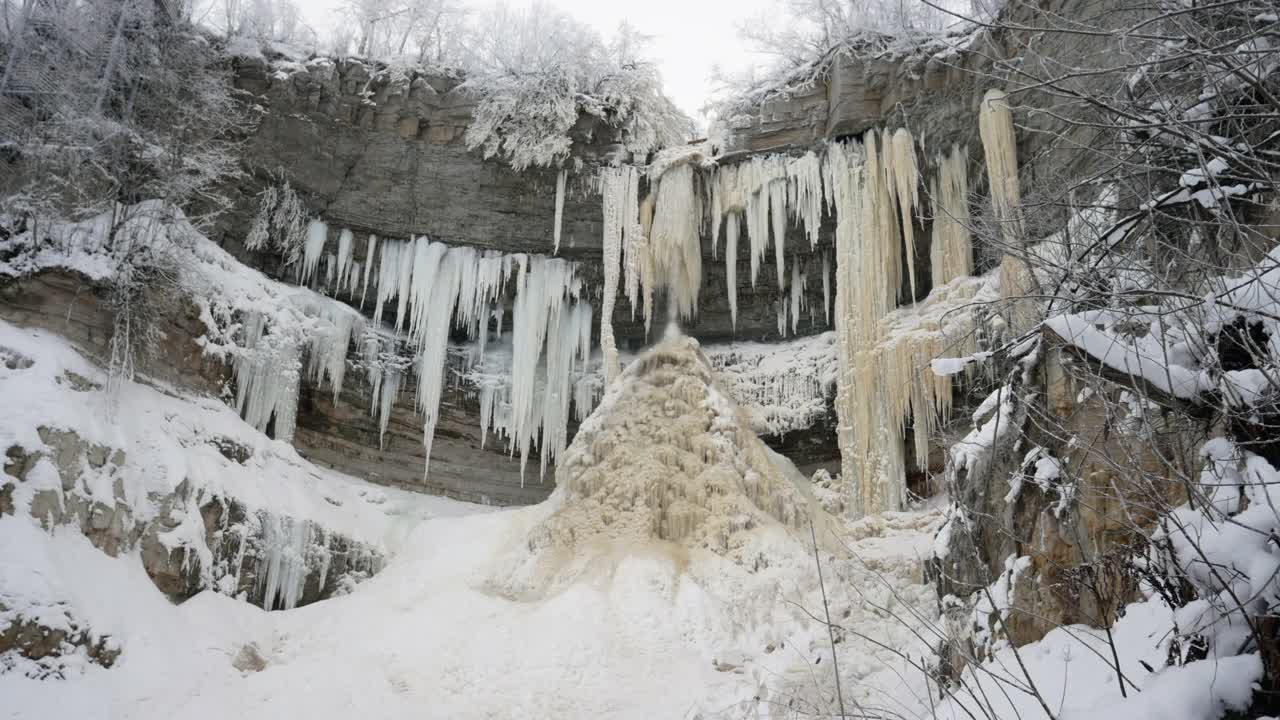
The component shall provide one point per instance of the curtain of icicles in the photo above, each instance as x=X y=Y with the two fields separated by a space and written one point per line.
x=871 y=189
x=431 y=289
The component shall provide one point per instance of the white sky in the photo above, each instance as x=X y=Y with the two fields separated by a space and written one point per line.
x=689 y=37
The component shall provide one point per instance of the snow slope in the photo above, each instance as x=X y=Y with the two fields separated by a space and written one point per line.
x=645 y=628
x=640 y=627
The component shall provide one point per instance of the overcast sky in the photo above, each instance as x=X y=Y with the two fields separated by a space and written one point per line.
x=689 y=37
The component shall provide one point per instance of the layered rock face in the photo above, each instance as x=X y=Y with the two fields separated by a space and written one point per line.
x=240 y=542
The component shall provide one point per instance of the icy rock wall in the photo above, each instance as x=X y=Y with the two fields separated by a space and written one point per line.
x=187 y=541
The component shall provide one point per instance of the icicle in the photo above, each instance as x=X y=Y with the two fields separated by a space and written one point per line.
x=999 y=145
x=345 y=240
x=330 y=274
x=434 y=294
x=797 y=296
x=674 y=246
x=328 y=346
x=541 y=290
x=368 y=267
x=826 y=285
x=778 y=213
x=317 y=233
x=560 y=181
x=717 y=210
x=782 y=317
x=950 y=251
x=903 y=181
x=284 y=542
x=633 y=237
x=756 y=179
x=731 y=265
x=267 y=376
x=804 y=183
x=389 y=274
x=410 y=255
x=614 y=183
x=353 y=280
x=995 y=125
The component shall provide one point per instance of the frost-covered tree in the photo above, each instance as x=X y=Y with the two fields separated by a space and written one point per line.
x=427 y=30
x=105 y=104
x=535 y=69
x=801 y=37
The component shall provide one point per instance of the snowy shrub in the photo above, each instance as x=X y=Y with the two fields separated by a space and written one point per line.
x=805 y=36
x=533 y=71
x=280 y=223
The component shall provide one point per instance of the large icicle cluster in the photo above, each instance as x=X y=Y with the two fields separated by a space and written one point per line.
x=884 y=376
x=426 y=291
x=871 y=188
x=999 y=144
x=660 y=239
x=436 y=288
x=762 y=193
x=268 y=361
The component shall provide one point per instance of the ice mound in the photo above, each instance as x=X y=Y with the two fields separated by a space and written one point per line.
x=669 y=463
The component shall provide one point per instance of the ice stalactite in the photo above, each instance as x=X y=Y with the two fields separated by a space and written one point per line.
x=345 y=247
x=903 y=183
x=385 y=368
x=778 y=214
x=285 y=541
x=731 y=230
x=633 y=238
x=267 y=370
x=868 y=193
x=1000 y=147
x=387 y=287
x=353 y=280
x=329 y=343
x=616 y=186
x=434 y=294
x=437 y=288
x=411 y=254
x=644 y=261
x=804 y=193
x=950 y=251
x=885 y=378
x=368 y=268
x=547 y=316
x=560 y=183
x=767 y=190
x=826 y=286
x=797 y=295
x=674 y=246
x=317 y=233
x=754 y=181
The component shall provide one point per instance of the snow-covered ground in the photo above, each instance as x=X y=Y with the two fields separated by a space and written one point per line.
x=648 y=629
x=645 y=628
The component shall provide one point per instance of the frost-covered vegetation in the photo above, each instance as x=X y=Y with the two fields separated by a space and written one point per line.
x=802 y=38
x=535 y=70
